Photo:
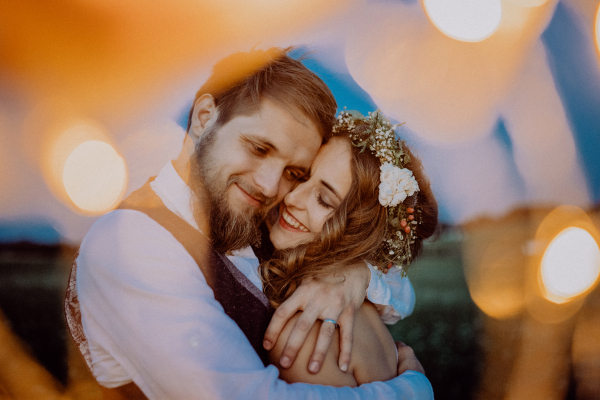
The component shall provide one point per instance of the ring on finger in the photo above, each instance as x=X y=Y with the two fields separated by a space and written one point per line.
x=330 y=320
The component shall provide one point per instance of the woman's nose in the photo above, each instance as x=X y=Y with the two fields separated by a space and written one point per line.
x=297 y=197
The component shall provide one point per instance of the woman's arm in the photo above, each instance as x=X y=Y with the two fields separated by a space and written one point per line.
x=373 y=354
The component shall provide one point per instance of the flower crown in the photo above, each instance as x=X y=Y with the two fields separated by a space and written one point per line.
x=398 y=187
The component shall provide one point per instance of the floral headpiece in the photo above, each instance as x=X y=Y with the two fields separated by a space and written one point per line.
x=398 y=187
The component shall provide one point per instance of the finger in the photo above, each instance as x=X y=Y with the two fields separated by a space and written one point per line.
x=297 y=337
x=346 y=338
x=407 y=360
x=281 y=316
x=323 y=342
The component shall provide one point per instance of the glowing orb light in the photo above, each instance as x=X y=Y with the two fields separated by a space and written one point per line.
x=465 y=20
x=570 y=265
x=95 y=176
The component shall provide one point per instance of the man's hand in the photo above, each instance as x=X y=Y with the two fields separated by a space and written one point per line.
x=337 y=298
x=407 y=359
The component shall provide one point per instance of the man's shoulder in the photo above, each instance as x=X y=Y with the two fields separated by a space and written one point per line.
x=119 y=227
x=130 y=242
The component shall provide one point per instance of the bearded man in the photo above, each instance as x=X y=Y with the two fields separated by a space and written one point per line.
x=164 y=299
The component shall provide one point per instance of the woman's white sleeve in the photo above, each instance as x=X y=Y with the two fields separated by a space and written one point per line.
x=392 y=294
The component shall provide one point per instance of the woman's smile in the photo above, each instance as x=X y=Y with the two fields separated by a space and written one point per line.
x=288 y=221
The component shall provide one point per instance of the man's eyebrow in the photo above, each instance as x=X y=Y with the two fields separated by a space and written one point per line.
x=259 y=140
x=328 y=186
x=267 y=143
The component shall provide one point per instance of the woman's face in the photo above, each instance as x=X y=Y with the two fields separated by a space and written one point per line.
x=305 y=209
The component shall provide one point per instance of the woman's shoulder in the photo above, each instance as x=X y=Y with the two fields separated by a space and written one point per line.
x=374 y=351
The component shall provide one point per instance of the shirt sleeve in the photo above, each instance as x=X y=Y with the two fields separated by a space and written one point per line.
x=146 y=303
x=392 y=294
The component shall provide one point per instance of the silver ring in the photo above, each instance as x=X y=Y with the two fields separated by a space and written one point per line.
x=330 y=320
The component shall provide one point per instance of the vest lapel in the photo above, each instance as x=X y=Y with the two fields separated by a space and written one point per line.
x=241 y=299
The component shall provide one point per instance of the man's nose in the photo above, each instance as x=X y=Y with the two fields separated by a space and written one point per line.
x=267 y=179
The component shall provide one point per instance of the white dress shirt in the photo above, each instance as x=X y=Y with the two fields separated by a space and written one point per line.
x=151 y=318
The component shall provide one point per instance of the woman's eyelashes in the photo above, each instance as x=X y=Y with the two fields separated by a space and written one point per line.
x=322 y=203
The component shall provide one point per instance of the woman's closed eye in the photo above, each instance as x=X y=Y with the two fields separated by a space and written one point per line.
x=322 y=202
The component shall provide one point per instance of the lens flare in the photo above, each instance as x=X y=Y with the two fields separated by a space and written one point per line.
x=95 y=176
x=465 y=20
x=570 y=265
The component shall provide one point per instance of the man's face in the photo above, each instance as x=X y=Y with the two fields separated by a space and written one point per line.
x=248 y=165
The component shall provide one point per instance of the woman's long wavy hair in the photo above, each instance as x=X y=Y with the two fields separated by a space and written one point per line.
x=353 y=233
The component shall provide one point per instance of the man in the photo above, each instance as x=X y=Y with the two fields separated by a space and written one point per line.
x=163 y=311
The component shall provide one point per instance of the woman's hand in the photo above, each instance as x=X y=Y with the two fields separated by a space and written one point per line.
x=407 y=360
x=337 y=298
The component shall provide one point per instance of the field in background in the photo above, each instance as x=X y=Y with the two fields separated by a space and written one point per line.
x=449 y=334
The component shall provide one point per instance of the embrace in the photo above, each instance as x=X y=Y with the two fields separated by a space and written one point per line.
x=262 y=262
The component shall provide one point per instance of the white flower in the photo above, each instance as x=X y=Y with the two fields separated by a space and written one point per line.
x=396 y=185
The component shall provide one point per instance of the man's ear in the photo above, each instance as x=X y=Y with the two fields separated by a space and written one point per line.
x=204 y=115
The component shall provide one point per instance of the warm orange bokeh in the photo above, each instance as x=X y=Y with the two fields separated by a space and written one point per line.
x=51 y=133
x=95 y=177
x=570 y=265
x=541 y=304
x=597 y=28
x=115 y=59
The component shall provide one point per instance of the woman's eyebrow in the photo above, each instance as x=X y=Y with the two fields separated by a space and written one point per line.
x=328 y=186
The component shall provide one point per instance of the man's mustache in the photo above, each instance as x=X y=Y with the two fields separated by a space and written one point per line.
x=252 y=191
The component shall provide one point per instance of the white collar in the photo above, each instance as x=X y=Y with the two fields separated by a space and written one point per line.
x=175 y=193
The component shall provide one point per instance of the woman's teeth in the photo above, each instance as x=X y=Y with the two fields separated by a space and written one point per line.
x=293 y=222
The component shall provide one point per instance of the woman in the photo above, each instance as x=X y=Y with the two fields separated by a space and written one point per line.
x=366 y=199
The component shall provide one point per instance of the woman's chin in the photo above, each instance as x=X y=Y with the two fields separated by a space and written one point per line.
x=283 y=239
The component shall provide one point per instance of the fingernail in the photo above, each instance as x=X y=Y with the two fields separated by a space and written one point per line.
x=344 y=367
x=267 y=344
x=314 y=367
x=285 y=362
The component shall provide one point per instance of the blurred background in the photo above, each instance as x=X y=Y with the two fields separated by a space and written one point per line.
x=500 y=99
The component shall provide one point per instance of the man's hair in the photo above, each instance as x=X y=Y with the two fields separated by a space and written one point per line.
x=239 y=83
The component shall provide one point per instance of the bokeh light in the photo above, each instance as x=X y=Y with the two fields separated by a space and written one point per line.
x=447 y=90
x=77 y=159
x=494 y=260
x=465 y=20
x=570 y=265
x=528 y=3
x=564 y=268
x=598 y=28
x=95 y=176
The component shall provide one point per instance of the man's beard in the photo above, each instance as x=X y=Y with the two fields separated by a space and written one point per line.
x=229 y=230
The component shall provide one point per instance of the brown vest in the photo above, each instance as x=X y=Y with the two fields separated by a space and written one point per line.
x=241 y=299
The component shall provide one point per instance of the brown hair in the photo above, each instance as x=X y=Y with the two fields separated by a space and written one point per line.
x=240 y=81
x=353 y=233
